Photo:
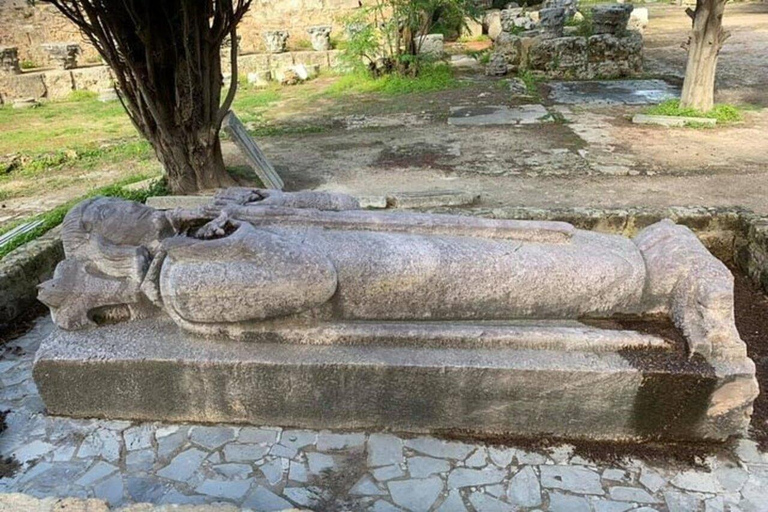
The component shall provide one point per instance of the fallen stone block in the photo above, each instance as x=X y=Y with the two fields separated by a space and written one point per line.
x=672 y=121
x=431 y=199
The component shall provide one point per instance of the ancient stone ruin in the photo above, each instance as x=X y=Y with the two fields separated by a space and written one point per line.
x=9 y=60
x=301 y=309
x=63 y=55
x=276 y=41
x=611 y=52
x=320 y=37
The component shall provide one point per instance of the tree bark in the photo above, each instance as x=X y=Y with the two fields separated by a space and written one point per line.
x=704 y=44
x=192 y=163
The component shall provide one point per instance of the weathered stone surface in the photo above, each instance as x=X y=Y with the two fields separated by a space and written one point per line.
x=276 y=41
x=467 y=477
x=484 y=503
x=610 y=56
x=320 y=37
x=58 y=84
x=551 y=21
x=510 y=48
x=571 y=478
x=524 y=489
x=561 y=57
x=63 y=55
x=498 y=115
x=384 y=449
x=560 y=502
x=570 y=6
x=431 y=45
x=422 y=467
x=9 y=60
x=416 y=495
x=670 y=121
x=611 y=19
x=492 y=23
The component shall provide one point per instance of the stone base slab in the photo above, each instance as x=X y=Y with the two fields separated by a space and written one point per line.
x=150 y=370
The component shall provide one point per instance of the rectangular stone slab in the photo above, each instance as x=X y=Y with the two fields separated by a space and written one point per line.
x=252 y=152
x=149 y=370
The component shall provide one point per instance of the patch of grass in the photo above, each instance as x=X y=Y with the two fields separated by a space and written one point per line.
x=583 y=25
x=474 y=39
x=82 y=96
x=431 y=78
x=269 y=130
x=27 y=64
x=531 y=81
x=724 y=113
x=54 y=217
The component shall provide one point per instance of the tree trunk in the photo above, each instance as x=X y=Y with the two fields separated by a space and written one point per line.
x=704 y=44
x=192 y=163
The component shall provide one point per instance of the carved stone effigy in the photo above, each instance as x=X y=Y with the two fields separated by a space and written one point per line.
x=302 y=309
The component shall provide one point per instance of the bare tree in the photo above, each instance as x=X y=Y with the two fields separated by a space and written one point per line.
x=704 y=44
x=165 y=56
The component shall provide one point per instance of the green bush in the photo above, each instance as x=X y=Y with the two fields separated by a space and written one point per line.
x=432 y=77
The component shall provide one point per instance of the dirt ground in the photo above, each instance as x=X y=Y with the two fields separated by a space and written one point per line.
x=596 y=158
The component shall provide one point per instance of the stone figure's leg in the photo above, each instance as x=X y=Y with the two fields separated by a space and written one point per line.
x=693 y=287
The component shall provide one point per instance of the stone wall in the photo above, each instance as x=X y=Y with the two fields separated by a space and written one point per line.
x=22 y=270
x=28 y=27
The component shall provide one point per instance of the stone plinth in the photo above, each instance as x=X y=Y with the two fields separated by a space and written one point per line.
x=276 y=41
x=320 y=37
x=611 y=19
x=552 y=21
x=9 y=60
x=63 y=55
x=148 y=370
x=431 y=45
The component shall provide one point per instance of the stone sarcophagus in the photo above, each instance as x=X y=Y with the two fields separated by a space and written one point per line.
x=300 y=309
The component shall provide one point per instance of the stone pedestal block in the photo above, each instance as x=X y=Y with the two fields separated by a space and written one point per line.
x=148 y=370
x=611 y=19
x=320 y=37
x=63 y=55
x=276 y=41
x=9 y=60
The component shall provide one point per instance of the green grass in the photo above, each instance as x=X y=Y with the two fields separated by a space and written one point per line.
x=531 y=81
x=54 y=217
x=431 y=78
x=724 y=113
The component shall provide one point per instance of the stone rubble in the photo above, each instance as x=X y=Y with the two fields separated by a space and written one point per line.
x=122 y=463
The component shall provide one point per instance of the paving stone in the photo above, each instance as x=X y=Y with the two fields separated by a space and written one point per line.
x=497 y=490
x=478 y=459
x=632 y=494
x=698 y=481
x=652 y=480
x=452 y=503
x=32 y=451
x=64 y=453
x=747 y=451
x=615 y=475
x=302 y=496
x=716 y=504
x=613 y=92
x=384 y=450
x=485 y=503
x=319 y=462
x=138 y=437
x=253 y=435
x=466 y=477
x=574 y=479
x=166 y=430
x=298 y=439
x=230 y=490
x=559 y=502
x=233 y=471
x=104 y=443
x=502 y=457
x=530 y=458
x=681 y=501
x=731 y=478
x=110 y=490
x=264 y=500
x=141 y=460
x=298 y=472
x=365 y=486
x=439 y=448
x=279 y=450
x=174 y=497
x=212 y=438
x=145 y=489
x=384 y=506
x=601 y=505
x=272 y=471
x=524 y=488
x=416 y=495
x=328 y=441
x=753 y=493
x=236 y=452
x=183 y=466
x=421 y=467
x=385 y=473
x=168 y=445
x=37 y=471
x=95 y=473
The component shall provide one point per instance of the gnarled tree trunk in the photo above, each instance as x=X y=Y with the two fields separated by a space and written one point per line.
x=165 y=57
x=704 y=44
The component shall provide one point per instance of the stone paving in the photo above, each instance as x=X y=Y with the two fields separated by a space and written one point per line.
x=269 y=468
